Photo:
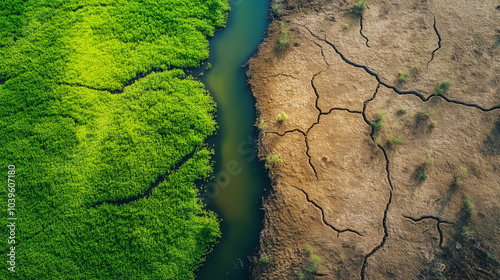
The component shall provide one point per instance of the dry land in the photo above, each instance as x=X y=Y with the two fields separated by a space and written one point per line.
x=375 y=177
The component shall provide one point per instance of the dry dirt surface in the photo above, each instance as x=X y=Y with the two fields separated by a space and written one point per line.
x=373 y=177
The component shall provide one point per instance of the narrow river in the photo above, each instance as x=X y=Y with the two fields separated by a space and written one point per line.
x=235 y=194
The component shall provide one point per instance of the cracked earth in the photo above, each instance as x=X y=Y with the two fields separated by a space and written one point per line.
x=346 y=187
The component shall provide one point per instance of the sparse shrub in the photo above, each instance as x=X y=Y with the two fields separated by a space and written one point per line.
x=421 y=118
x=423 y=174
x=377 y=140
x=262 y=126
x=359 y=7
x=285 y=38
x=273 y=159
x=282 y=117
x=346 y=26
x=395 y=141
x=201 y=74
x=378 y=123
x=209 y=65
x=276 y=8
x=404 y=75
x=313 y=262
x=442 y=87
x=469 y=205
x=265 y=259
x=458 y=179
x=428 y=160
x=301 y=275
x=401 y=111
x=423 y=169
x=434 y=124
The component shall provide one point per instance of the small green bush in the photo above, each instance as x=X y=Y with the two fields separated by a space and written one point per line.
x=442 y=87
x=401 y=111
x=262 y=126
x=285 y=39
x=469 y=205
x=346 y=26
x=313 y=262
x=404 y=75
x=273 y=159
x=423 y=174
x=395 y=141
x=378 y=123
x=458 y=179
x=359 y=7
x=282 y=117
x=265 y=259
x=428 y=160
x=276 y=9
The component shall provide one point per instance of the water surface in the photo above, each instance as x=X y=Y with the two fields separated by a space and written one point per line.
x=235 y=194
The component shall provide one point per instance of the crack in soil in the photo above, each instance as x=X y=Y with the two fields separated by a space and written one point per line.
x=401 y=92
x=153 y=185
x=387 y=165
x=338 y=231
x=305 y=134
x=438 y=220
x=361 y=30
x=439 y=41
x=307 y=146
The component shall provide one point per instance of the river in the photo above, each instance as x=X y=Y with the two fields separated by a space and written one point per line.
x=235 y=194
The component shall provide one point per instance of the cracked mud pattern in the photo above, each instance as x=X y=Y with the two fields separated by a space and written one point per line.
x=354 y=184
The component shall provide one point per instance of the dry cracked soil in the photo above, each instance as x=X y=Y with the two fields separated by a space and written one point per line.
x=380 y=178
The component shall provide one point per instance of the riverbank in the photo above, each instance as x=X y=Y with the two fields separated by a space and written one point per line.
x=380 y=177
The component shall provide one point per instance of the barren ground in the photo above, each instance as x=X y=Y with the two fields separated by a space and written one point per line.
x=348 y=197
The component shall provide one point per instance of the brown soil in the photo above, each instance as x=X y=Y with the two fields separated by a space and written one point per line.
x=346 y=191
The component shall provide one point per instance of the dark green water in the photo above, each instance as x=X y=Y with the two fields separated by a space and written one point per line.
x=235 y=194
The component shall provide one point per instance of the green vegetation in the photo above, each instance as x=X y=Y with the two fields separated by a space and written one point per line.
x=378 y=123
x=311 y=264
x=359 y=7
x=423 y=174
x=442 y=87
x=282 y=117
x=346 y=26
x=469 y=205
x=404 y=75
x=394 y=142
x=285 y=38
x=276 y=6
x=377 y=140
x=209 y=66
x=423 y=170
x=85 y=157
x=434 y=124
x=262 y=126
x=273 y=159
x=401 y=111
x=459 y=179
x=428 y=160
x=265 y=259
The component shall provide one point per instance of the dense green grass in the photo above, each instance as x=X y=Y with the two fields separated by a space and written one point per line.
x=75 y=144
